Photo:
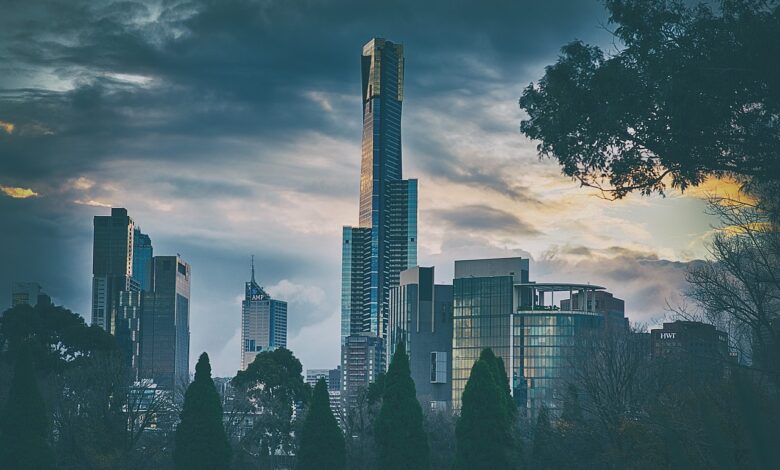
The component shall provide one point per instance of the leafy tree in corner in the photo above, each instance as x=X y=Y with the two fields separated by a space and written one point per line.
x=400 y=437
x=322 y=444
x=483 y=431
x=24 y=427
x=201 y=442
x=693 y=92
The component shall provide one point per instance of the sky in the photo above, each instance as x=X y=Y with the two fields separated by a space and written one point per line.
x=231 y=128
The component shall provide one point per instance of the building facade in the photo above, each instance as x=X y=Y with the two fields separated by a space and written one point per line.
x=362 y=359
x=25 y=293
x=496 y=306
x=421 y=318
x=165 y=320
x=695 y=347
x=385 y=241
x=263 y=322
x=142 y=259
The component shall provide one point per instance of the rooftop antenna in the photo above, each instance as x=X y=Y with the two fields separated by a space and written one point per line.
x=253 y=269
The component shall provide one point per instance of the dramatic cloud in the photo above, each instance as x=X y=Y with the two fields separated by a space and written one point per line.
x=232 y=127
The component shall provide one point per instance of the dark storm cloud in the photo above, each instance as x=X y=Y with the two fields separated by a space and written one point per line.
x=196 y=96
x=481 y=218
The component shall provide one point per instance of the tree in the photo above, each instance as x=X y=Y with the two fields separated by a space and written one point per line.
x=322 y=444
x=271 y=387
x=545 y=453
x=201 y=442
x=483 y=431
x=500 y=376
x=401 y=440
x=692 y=93
x=24 y=430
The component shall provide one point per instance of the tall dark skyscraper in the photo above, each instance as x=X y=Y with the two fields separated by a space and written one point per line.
x=116 y=296
x=385 y=241
x=165 y=332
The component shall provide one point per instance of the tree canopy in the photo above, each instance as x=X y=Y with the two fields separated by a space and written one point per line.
x=692 y=92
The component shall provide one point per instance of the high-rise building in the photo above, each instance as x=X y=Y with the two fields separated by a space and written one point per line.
x=332 y=377
x=165 y=326
x=25 y=293
x=362 y=359
x=385 y=242
x=496 y=306
x=421 y=317
x=112 y=266
x=116 y=297
x=263 y=322
x=694 y=347
x=142 y=259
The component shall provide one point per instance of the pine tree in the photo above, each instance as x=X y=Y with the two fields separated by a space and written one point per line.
x=24 y=426
x=483 y=431
x=322 y=444
x=401 y=440
x=500 y=376
x=544 y=454
x=201 y=443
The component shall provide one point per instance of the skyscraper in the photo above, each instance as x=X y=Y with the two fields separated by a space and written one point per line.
x=385 y=242
x=116 y=296
x=165 y=328
x=112 y=266
x=263 y=322
x=142 y=259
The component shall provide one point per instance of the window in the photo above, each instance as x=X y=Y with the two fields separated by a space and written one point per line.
x=438 y=367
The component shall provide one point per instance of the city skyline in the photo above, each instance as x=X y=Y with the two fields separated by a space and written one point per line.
x=483 y=191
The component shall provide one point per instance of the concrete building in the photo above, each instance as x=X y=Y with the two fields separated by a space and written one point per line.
x=263 y=322
x=362 y=359
x=25 y=293
x=696 y=347
x=165 y=330
x=421 y=317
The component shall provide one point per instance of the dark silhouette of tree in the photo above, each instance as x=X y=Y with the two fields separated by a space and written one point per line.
x=24 y=429
x=401 y=440
x=271 y=387
x=500 y=376
x=483 y=431
x=201 y=442
x=692 y=92
x=545 y=451
x=322 y=444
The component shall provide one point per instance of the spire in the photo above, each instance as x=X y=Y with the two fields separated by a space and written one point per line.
x=253 y=269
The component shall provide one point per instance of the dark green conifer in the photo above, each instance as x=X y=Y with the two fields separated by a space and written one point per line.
x=201 y=443
x=401 y=440
x=322 y=444
x=24 y=427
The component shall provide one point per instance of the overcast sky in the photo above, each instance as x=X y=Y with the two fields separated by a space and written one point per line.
x=231 y=128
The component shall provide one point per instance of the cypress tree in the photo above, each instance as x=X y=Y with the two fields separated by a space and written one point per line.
x=483 y=431
x=401 y=440
x=322 y=444
x=500 y=376
x=24 y=428
x=544 y=454
x=201 y=443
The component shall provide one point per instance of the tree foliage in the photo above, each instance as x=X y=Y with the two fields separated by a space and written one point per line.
x=271 y=387
x=24 y=429
x=693 y=92
x=400 y=437
x=201 y=442
x=322 y=443
x=484 y=428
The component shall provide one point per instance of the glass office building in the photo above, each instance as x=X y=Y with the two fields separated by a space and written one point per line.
x=142 y=259
x=165 y=324
x=495 y=306
x=385 y=241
